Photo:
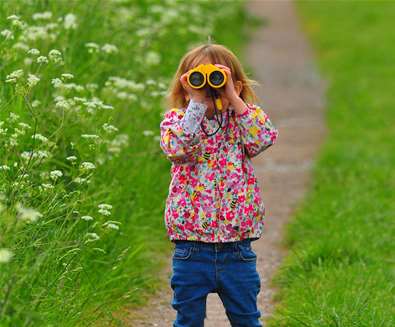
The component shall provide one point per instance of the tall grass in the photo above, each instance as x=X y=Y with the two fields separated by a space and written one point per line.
x=82 y=176
x=340 y=271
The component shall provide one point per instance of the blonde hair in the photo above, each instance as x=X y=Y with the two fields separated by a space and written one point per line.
x=217 y=54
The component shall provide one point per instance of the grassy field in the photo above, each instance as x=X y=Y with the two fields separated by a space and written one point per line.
x=83 y=180
x=340 y=271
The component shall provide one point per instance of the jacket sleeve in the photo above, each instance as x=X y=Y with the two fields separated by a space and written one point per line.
x=178 y=131
x=257 y=130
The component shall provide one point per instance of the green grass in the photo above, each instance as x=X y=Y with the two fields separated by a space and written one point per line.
x=55 y=277
x=340 y=270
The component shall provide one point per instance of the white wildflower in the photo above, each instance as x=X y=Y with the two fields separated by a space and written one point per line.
x=24 y=125
x=71 y=86
x=47 y=186
x=109 y=48
x=122 y=83
x=113 y=224
x=71 y=158
x=95 y=103
x=55 y=56
x=40 y=137
x=86 y=165
x=109 y=128
x=148 y=132
x=34 y=33
x=126 y=95
x=70 y=21
x=92 y=237
x=34 y=52
x=13 y=117
x=118 y=142
x=35 y=154
x=162 y=85
x=67 y=76
x=92 y=87
x=18 y=132
x=21 y=46
x=56 y=82
x=32 y=80
x=36 y=103
x=150 y=82
x=52 y=26
x=55 y=174
x=13 y=17
x=156 y=9
x=87 y=218
x=4 y=167
x=7 y=34
x=105 y=206
x=5 y=255
x=27 y=155
x=152 y=58
x=28 y=214
x=92 y=47
x=81 y=180
x=14 y=76
x=42 y=60
x=142 y=32
x=107 y=107
x=110 y=225
x=101 y=159
x=89 y=136
x=28 y=61
x=42 y=15
x=104 y=212
x=18 y=23
x=62 y=103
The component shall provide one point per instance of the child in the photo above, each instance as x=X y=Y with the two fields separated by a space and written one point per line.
x=214 y=208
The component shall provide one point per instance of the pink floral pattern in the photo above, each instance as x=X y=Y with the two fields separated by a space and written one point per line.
x=214 y=195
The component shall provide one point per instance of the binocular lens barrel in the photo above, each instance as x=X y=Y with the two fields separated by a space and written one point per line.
x=216 y=78
x=196 y=79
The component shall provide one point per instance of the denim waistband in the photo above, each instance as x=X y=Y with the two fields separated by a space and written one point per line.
x=214 y=245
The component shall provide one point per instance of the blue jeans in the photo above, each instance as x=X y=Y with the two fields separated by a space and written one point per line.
x=228 y=269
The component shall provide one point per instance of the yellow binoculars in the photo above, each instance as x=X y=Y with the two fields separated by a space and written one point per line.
x=208 y=73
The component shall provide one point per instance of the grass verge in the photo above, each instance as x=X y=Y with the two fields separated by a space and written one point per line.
x=340 y=270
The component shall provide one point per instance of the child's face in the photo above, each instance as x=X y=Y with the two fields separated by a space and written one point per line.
x=209 y=101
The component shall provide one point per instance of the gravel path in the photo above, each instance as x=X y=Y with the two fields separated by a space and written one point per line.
x=292 y=95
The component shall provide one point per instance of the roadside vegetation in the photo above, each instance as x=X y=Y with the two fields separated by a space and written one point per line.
x=340 y=270
x=83 y=180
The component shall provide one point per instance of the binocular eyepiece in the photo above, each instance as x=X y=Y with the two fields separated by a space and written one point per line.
x=209 y=73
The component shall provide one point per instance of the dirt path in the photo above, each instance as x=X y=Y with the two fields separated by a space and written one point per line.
x=292 y=96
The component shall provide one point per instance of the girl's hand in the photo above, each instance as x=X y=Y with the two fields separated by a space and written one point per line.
x=199 y=95
x=229 y=89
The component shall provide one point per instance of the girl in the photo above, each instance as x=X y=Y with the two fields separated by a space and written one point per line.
x=214 y=208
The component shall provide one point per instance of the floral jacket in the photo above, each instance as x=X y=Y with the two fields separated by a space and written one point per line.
x=214 y=195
